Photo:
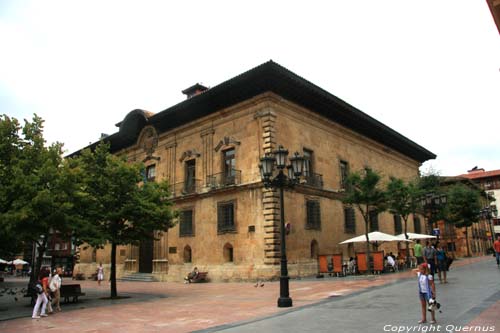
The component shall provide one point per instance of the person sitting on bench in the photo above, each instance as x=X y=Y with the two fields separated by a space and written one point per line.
x=191 y=275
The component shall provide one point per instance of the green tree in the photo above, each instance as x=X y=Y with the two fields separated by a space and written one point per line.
x=363 y=192
x=119 y=207
x=402 y=200
x=463 y=208
x=36 y=193
x=10 y=142
x=430 y=184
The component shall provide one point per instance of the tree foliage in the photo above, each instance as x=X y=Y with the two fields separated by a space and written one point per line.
x=403 y=200
x=36 y=189
x=463 y=208
x=363 y=192
x=119 y=207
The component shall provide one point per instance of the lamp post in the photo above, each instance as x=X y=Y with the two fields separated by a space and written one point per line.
x=278 y=159
x=431 y=204
x=487 y=213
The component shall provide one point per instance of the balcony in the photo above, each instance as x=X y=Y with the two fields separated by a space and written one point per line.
x=186 y=188
x=313 y=180
x=221 y=180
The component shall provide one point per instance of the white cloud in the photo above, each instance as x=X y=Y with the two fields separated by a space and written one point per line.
x=430 y=71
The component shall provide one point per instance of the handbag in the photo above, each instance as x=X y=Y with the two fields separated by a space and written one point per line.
x=449 y=261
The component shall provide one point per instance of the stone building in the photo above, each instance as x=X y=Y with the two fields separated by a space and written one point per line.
x=209 y=147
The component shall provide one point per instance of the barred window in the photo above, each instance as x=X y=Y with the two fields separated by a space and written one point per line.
x=373 y=220
x=313 y=214
x=349 y=220
x=398 y=228
x=225 y=217
x=416 y=225
x=186 y=223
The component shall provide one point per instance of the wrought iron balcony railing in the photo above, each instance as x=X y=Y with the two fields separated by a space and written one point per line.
x=186 y=188
x=314 y=180
x=223 y=179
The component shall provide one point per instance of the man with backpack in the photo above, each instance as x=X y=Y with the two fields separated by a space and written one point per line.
x=430 y=257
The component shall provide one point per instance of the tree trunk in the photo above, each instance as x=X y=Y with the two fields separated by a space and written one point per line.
x=35 y=271
x=114 y=292
x=367 y=225
x=467 y=240
x=407 y=246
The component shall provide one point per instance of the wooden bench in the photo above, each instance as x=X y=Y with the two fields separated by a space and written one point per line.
x=201 y=277
x=71 y=290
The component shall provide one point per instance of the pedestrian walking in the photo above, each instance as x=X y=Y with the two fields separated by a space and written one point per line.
x=417 y=251
x=430 y=257
x=426 y=291
x=55 y=288
x=496 y=246
x=442 y=263
x=42 y=299
x=100 y=273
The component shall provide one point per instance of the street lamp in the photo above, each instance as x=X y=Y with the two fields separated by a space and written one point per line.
x=278 y=159
x=487 y=213
x=431 y=203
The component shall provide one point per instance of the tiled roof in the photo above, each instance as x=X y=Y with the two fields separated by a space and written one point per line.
x=268 y=77
x=481 y=174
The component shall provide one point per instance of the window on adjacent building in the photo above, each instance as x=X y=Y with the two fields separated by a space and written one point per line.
x=308 y=158
x=190 y=176
x=225 y=217
x=313 y=214
x=150 y=173
x=398 y=228
x=349 y=220
x=416 y=225
x=344 y=172
x=186 y=223
x=373 y=221
x=229 y=161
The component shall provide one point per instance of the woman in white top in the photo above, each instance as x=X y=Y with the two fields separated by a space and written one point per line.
x=100 y=274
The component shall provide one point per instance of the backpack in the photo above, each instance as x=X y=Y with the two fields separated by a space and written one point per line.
x=37 y=288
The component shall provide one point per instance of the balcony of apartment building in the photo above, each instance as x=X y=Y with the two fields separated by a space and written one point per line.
x=313 y=179
x=225 y=179
x=192 y=186
x=189 y=187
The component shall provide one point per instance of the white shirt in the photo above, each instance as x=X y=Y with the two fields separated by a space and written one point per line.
x=55 y=282
x=391 y=261
x=423 y=282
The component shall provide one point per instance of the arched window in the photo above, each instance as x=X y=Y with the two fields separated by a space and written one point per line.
x=187 y=254
x=228 y=253
x=314 y=249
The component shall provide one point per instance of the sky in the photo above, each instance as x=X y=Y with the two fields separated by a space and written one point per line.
x=428 y=69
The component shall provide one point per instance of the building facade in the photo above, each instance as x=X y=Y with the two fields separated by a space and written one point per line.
x=209 y=147
x=489 y=182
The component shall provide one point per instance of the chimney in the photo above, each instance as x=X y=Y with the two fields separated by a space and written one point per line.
x=475 y=170
x=194 y=90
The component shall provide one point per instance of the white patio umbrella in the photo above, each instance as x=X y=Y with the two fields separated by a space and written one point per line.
x=3 y=261
x=412 y=235
x=19 y=262
x=375 y=236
